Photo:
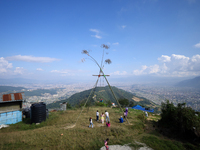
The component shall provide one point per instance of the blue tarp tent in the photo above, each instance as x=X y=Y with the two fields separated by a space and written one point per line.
x=141 y=108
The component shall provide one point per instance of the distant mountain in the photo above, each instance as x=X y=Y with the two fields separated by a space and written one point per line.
x=195 y=83
x=105 y=94
x=9 y=89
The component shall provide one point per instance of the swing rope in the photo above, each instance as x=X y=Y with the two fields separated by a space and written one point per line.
x=108 y=85
x=87 y=100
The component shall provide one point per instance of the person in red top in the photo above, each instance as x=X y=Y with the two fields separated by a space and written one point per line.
x=108 y=124
x=106 y=143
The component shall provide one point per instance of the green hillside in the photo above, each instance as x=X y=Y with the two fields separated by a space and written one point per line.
x=10 y=89
x=105 y=94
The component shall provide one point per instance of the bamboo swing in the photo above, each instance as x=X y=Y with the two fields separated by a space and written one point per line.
x=101 y=73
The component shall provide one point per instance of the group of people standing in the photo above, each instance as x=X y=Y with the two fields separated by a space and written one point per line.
x=101 y=119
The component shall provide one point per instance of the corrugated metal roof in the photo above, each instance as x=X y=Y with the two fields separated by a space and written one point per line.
x=12 y=97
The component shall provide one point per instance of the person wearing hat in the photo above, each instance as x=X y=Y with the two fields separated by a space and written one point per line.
x=121 y=120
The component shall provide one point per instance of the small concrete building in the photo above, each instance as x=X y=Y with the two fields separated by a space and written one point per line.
x=63 y=106
x=11 y=108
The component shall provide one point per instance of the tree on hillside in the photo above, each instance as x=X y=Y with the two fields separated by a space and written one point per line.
x=124 y=102
x=131 y=104
x=109 y=103
x=100 y=104
x=181 y=119
x=69 y=106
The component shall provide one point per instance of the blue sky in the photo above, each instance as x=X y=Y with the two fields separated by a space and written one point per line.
x=44 y=39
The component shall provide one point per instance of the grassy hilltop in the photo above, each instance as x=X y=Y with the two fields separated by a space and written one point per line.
x=52 y=134
x=105 y=94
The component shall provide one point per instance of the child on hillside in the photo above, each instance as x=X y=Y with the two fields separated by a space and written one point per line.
x=97 y=114
x=102 y=117
x=108 y=124
x=124 y=114
x=90 y=122
x=146 y=114
x=121 y=120
x=106 y=143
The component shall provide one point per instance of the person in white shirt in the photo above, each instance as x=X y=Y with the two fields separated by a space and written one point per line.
x=146 y=114
x=97 y=114
x=107 y=116
x=90 y=122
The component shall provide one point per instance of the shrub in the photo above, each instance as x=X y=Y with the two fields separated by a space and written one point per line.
x=124 y=102
x=100 y=104
x=181 y=119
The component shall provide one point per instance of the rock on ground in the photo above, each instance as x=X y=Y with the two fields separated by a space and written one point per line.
x=116 y=147
x=126 y=147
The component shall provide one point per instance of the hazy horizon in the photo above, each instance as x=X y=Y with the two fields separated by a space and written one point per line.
x=148 y=80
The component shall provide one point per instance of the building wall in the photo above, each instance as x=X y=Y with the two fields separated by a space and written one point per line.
x=10 y=117
x=10 y=112
x=10 y=106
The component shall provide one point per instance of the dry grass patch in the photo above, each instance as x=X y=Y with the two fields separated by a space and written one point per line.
x=136 y=99
x=58 y=132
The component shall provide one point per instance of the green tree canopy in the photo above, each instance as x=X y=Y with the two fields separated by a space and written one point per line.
x=124 y=102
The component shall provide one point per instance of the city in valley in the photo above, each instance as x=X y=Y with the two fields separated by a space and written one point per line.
x=157 y=94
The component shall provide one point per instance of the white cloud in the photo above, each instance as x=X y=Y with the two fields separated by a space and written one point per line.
x=97 y=33
x=123 y=26
x=147 y=70
x=31 y=59
x=39 y=69
x=119 y=73
x=197 y=45
x=19 y=70
x=94 y=30
x=57 y=71
x=66 y=72
x=164 y=58
x=174 y=65
x=96 y=36
x=154 y=69
x=116 y=43
x=4 y=65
